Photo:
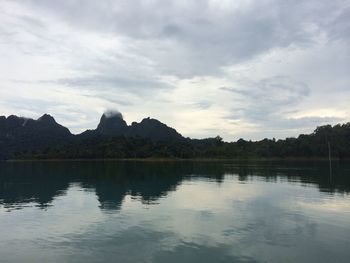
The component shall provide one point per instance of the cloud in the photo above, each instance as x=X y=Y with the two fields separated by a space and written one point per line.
x=271 y=105
x=139 y=86
x=263 y=99
x=109 y=98
x=113 y=113
x=283 y=63
x=200 y=43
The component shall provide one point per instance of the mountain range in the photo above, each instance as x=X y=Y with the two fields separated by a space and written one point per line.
x=44 y=138
x=20 y=134
x=113 y=124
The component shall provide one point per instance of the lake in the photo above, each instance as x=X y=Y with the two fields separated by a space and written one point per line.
x=114 y=211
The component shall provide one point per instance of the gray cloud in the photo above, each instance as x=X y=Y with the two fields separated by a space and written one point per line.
x=30 y=105
x=310 y=122
x=268 y=103
x=277 y=59
x=139 y=87
x=113 y=113
x=203 y=104
x=338 y=26
x=109 y=98
x=199 y=43
x=265 y=99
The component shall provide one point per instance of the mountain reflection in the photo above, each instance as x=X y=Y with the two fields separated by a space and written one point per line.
x=23 y=183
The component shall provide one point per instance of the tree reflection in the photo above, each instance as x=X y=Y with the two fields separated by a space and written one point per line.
x=22 y=183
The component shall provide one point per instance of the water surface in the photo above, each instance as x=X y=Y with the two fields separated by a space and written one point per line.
x=174 y=212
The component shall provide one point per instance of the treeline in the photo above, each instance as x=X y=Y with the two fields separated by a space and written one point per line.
x=313 y=145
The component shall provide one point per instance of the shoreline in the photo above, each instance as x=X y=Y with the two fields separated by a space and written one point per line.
x=298 y=159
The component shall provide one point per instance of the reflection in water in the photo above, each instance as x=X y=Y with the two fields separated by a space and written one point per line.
x=40 y=182
x=174 y=212
x=27 y=182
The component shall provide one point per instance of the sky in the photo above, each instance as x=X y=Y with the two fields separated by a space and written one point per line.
x=239 y=69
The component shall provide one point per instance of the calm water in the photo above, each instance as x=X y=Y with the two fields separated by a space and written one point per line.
x=174 y=212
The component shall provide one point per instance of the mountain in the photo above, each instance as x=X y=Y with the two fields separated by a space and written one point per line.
x=14 y=127
x=21 y=135
x=153 y=129
x=113 y=125
x=44 y=138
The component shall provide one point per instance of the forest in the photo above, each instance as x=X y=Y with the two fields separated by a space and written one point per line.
x=335 y=139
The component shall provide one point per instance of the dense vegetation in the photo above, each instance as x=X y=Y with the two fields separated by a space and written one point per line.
x=304 y=146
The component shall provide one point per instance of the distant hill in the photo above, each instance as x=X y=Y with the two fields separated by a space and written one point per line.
x=19 y=135
x=113 y=125
x=44 y=138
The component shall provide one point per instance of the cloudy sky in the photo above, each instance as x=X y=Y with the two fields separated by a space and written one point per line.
x=243 y=68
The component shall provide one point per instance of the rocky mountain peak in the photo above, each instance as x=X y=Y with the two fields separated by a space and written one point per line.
x=112 y=124
x=47 y=118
